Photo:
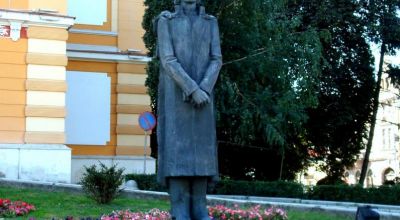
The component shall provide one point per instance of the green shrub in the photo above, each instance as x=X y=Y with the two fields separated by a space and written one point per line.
x=385 y=195
x=102 y=184
x=260 y=188
x=146 y=182
x=379 y=195
x=337 y=193
x=341 y=192
x=231 y=187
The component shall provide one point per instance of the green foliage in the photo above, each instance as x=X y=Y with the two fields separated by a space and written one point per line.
x=382 y=20
x=259 y=188
x=232 y=187
x=380 y=195
x=268 y=80
x=337 y=126
x=382 y=27
x=102 y=184
x=57 y=203
x=394 y=74
x=146 y=182
x=340 y=192
x=266 y=84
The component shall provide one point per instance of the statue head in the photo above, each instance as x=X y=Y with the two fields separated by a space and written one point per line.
x=199 y=3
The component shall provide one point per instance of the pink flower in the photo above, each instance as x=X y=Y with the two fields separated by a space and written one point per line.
x=17 y=208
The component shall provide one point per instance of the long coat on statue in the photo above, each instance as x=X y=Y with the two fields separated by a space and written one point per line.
x=190 y=55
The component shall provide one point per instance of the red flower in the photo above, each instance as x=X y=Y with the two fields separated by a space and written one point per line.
x=17 y=208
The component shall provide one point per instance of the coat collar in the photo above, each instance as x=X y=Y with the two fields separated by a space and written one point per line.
x=179 y=11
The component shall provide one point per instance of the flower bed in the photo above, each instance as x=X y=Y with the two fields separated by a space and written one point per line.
x=254 y=213
x=216 y=212
x=12 y=209
x=154 y=214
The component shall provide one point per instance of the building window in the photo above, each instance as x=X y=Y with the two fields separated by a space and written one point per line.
x=370 y=179
x=388 y=176
x=89 y=12
x=89 y=106
x=384 y=138
x=390 y=142
x=357 y=177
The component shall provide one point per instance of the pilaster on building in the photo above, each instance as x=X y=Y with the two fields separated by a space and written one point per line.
x=71 y=88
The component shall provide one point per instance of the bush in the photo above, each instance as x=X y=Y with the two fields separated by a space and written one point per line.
x=380 y=195
x=341 y=192
x=102 y=185
x=338 y=193
x=230 y=187
x=146 y=182
x=260 y=188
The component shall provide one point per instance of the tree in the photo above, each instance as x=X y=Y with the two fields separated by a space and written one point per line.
x=268 y=80
x=337 y=127
x=394 y=74
x=383 y=28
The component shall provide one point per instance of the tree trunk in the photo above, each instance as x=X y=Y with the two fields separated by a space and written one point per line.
x=282 y=159
x=375 y=106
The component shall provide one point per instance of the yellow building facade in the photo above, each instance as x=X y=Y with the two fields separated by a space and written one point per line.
x=72 y=77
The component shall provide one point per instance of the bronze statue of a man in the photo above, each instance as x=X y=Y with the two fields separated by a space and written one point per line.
x=188 y=47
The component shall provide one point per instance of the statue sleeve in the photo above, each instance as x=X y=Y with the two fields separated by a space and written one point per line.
x=211 y=75
x=170 y=62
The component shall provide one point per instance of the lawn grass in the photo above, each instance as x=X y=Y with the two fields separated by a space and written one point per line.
x=299 y=215
x=62 y=204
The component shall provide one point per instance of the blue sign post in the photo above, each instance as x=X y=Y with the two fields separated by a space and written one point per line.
x=147 y=121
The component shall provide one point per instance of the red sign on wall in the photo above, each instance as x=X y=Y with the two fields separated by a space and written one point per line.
x=5 y=31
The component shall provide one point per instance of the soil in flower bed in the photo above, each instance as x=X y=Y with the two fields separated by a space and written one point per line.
x=59 y=205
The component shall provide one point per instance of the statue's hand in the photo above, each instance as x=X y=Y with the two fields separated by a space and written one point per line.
x=200 y=98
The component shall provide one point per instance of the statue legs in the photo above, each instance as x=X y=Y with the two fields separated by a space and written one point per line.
x=188 y=198
x=199 y=201
x=179 y=192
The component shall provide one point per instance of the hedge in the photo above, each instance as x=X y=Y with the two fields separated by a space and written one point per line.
x=146 y=182
x=379 y=195
x=259 y=188
x=389 y=195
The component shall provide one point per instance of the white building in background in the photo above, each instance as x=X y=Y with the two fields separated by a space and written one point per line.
x=385 y=158
x=384 y=162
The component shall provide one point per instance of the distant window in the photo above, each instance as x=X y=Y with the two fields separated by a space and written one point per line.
x=357 y=176
x=384 y=138
x=370 y=179
x=91 y=12
x=387 y=83
x=389 y=138
x=388 y=175
x=88 y=108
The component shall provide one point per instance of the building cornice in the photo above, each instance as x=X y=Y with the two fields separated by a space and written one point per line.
x=121 y=57
x=25 y=18
x=93 y=32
